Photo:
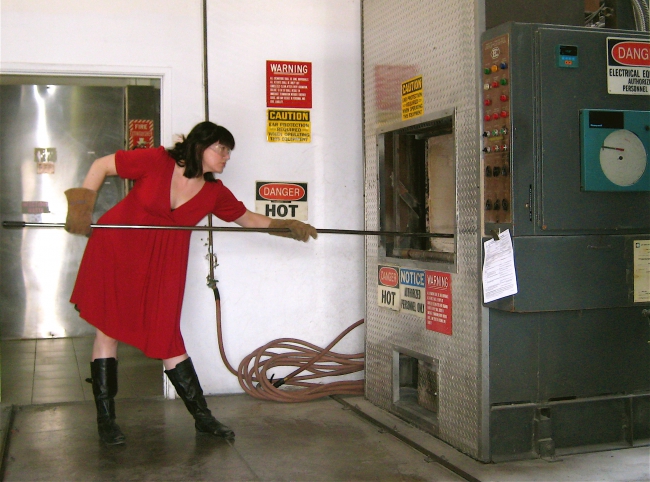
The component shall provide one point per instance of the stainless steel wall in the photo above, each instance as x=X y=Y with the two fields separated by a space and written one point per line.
x=38 y=266
x=438 y=40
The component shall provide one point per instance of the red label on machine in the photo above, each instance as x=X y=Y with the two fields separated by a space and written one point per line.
x=438 y=301
x=635 y=54
x=140 y=134
x=288 y=84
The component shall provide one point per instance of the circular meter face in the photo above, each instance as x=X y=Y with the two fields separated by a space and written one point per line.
x=623 y=157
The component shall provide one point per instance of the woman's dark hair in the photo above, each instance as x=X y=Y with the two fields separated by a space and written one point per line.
x=188 y=153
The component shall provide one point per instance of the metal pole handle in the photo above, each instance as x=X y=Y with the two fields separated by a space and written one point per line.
x=23 y=224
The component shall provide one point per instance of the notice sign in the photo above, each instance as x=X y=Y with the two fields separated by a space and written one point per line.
x=288 y=126
x=288 y=84
x=628 y=66
x=412 y=292
x=281 y=200
x=388 y=287
x=412 y=98
x=140 y=134
x=438 y=303
x=641 y=270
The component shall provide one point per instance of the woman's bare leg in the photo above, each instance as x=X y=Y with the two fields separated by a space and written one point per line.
x=104 y=346
x=170 y=363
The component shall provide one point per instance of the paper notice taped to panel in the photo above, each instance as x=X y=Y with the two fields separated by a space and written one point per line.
x=499 y=277
x=641 y=270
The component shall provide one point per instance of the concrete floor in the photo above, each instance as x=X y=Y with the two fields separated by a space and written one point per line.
x=52 y=439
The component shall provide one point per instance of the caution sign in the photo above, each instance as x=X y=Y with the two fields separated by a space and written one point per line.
x=288 y=84
x=412 y=292
x=140 y=134
x=628 y=66
x=412 y=98
x=388 y=287
x=438 y=303
x=288 y=126
x=281 y=200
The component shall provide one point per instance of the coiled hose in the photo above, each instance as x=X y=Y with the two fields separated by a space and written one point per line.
x=312 y=362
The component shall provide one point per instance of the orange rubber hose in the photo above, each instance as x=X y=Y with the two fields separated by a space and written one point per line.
x=312 y=363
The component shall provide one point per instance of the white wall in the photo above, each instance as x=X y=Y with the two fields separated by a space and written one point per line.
x=275 y=287
x=271 y=287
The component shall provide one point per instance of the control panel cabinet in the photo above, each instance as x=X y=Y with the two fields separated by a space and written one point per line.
x=541 y=84
x=565 y=138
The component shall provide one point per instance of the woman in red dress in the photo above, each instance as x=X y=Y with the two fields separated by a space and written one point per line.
x=131 y=282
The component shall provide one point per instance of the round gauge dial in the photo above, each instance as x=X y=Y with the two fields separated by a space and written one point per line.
x=623 y=158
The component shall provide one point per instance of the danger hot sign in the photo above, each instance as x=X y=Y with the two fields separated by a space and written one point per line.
x=281 y=200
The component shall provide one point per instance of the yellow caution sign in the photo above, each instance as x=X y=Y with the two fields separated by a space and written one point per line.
x=412 y=98
x=288 y=125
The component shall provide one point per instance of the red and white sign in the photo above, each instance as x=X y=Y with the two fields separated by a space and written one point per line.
x=388 y=295
x=628 y=66
x=281 y=200
x=140 y=134
x=438 y=301
x=288 y=84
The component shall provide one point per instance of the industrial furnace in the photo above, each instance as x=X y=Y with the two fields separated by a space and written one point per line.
x=538 y=135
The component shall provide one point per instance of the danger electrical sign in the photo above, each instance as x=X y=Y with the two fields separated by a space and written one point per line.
x=281 y=200
x=628 y=66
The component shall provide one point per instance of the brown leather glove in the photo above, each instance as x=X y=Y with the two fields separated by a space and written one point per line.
x=297 y=230
x=81 y=202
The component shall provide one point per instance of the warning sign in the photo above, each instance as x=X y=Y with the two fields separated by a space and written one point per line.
x=438 y=291
x=388 y=287
x=412 y=98
x=281 y=200
x=288 y=84
x=140 y=134
x=628 y=66
x=412 y=291
x=288 y=126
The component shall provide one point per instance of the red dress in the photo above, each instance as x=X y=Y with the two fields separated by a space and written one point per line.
x=131 y=282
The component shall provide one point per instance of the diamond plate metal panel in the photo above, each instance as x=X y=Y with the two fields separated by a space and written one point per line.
x=438 y=40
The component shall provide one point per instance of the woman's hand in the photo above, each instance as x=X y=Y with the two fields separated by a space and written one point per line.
x=294 y=228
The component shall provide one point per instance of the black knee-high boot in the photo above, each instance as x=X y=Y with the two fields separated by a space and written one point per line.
x=187 y=385
x=104 y=378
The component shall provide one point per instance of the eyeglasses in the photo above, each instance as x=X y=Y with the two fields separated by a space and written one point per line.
x=218 y=148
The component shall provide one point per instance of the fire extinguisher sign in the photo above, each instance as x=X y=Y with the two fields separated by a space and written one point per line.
x=140 y=134
x=281 y=200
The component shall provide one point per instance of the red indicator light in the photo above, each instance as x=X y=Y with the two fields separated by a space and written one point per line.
x=487 y=102
x=495 y=116
x=487 y=117
x=504 y=113
x=503 y=97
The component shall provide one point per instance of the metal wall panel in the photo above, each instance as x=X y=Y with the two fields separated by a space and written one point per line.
x=39 y=266
x=437 y=40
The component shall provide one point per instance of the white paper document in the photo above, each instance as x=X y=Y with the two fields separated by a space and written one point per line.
x=499 y=277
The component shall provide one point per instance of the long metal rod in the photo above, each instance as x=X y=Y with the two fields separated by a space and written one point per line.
x=22 y=224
